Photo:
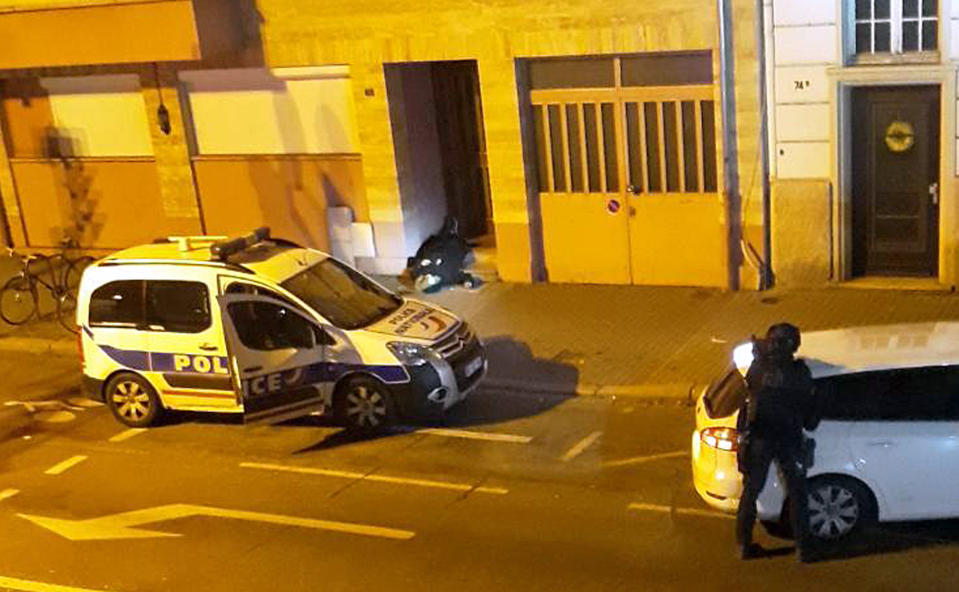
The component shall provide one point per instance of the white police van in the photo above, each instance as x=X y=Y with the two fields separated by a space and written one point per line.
x=266 y=328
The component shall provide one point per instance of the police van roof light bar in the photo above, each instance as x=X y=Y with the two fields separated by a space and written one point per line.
x=225 y=248
x=188 y=243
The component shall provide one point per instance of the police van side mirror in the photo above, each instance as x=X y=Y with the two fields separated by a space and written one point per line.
x=321 y=337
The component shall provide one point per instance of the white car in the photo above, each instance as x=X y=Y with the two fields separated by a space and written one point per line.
x=887 y=447
x=265 y=328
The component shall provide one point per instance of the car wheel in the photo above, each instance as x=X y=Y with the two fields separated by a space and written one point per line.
x=365 y=405
x=132 y=400
x=839 y=508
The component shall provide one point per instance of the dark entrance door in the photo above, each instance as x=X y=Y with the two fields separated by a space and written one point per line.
x=459 y=121
x=895 y=180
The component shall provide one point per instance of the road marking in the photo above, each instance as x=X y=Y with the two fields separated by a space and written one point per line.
x=638 y=460
x=30 y=586
x=380 y=478
x=689 y=511
x=121 y=526
x=126 y=434
x=65 y=465
x=471 y=435
x=8 y=493
x=581 y=446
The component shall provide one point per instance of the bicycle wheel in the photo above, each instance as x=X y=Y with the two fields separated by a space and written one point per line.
x=18 y=300
x=67 y=311
x=73 y=271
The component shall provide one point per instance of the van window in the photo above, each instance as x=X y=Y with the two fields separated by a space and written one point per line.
x=117 y=304
x=178 y=307
x=266 y=326
x=254 y=290
x=342 y=295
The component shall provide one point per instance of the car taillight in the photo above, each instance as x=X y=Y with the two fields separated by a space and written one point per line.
x=721 y=438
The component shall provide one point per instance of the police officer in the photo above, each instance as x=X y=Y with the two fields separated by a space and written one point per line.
x=780 y=404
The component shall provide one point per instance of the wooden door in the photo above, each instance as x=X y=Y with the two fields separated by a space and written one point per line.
x=459 y=121
x=896 y=181
x=582 y=186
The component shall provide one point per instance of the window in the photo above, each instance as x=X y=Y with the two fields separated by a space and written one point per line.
x=915 y=394
x=896 y=26
x=342 y=295
x=178 y=307
x=117 y=304
x=265 y=326
x=254 y=290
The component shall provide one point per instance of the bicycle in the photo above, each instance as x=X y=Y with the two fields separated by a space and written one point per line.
x=20 y=297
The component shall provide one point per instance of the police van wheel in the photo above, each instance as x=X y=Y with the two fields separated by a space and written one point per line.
x=132 y=400
x=364 y=405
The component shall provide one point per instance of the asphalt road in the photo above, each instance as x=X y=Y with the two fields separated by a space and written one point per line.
x=532 y=493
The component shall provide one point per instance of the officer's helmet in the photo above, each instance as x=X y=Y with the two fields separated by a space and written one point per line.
x=783 y=339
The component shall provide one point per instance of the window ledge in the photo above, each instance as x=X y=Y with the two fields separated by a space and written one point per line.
x=895 y=59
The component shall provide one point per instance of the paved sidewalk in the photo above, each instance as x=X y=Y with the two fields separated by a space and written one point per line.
x=648 y=341
x=619 y=340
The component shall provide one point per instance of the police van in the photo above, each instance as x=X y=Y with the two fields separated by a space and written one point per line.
x=266 y=328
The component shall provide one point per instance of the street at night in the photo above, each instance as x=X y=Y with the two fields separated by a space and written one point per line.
x=513 y=492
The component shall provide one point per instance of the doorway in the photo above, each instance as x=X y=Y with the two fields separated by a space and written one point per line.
x=895 y=174
x=437 y=118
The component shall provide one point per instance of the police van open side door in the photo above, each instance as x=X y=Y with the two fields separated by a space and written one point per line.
x=277 y=356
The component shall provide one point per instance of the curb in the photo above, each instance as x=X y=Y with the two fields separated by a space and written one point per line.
x=38 y=345
x=673 y=391
x=13 y=421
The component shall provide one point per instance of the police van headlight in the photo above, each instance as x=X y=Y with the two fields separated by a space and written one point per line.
x=408 y=353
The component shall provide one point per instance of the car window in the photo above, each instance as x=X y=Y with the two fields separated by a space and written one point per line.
x=914 y=394
x=266 y=326
x=254 y=290
x=342 y=295
x=726 y=394
x=177 y=306
x=117 y=304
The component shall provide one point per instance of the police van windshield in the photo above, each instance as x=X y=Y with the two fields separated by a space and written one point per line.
x=342 y=295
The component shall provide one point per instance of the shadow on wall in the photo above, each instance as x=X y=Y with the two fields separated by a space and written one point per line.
x=78 y=211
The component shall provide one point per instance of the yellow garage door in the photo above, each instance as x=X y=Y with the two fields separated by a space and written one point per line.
x=627 y=175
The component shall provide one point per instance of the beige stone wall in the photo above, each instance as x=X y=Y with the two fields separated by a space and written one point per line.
x=172 y=153
x=494 y=32
x=801 y=232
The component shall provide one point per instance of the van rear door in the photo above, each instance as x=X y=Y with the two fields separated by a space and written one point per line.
x=278 y=357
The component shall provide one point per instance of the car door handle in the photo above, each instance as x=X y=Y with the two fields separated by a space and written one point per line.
x=882 y=443
x=253 y=369
x=208 y=347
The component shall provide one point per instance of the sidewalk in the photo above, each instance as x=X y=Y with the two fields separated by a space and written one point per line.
x=619 y=340
x=649 y=341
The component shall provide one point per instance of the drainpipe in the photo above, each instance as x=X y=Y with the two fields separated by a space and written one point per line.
x=766 y=56
x=730 y=148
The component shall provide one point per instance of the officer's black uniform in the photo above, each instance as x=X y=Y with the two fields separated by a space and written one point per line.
x=780 y=404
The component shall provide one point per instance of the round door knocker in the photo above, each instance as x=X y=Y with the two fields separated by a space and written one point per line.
x=900 y=136
x=612 y=206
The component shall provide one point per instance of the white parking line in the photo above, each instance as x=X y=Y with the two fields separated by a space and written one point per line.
x=8 y=493
x=581 y=446
x=638 y=460
x=126 y=434
x=471 y=435
x=688 y=511
x=67 y=464
x=30 y=586
x=378 y=478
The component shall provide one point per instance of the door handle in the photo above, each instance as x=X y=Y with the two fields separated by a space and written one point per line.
x=934 y=192
x=253 y=369
x=208 y=347
x=882 y=443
